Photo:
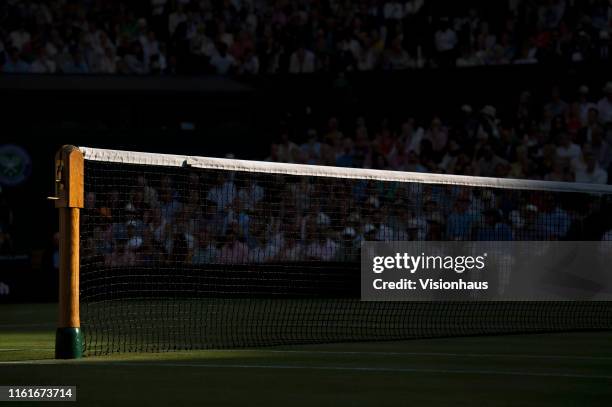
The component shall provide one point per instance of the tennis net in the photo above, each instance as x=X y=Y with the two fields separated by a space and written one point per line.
x=181 y=252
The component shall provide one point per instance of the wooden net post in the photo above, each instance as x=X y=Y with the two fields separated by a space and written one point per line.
x=69 y=199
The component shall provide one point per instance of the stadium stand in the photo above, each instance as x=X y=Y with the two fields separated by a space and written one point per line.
x=260 y=37
x=557 y=140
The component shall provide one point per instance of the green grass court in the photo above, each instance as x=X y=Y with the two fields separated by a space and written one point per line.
x=570 y=369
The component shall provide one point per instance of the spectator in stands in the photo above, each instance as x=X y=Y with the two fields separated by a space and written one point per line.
x=445 y=43
x=20 y=38
x=14 y=63
x=74 y=63
x=566 y=149
x=234 y=248
x=584 y=104
x=556 y=106
x=488 y=124
x=321 y=248
x=176 y=17
x=134 y=60
x=560 y=171
x=396 y=57
x=249 y=64
x=368 y=56
x=311 y=149
x=302 y=61
x=292 y=249
x=604 y=106
x=43 y=64
x=552 y=221
x=493 y=228
x=461 y=219
x=489 y=162
x=214 y=218
x=222 y=62
x=413 y=163
x=600 y=148
x=523 y=223
x=437 y=135
x=223 y=194
x=588 y=170
x=287 y=150
x=526 y=56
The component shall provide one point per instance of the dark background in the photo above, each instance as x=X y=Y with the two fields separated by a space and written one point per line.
x=216 y=116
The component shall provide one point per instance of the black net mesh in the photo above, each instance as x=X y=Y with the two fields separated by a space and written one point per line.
x=188 y=258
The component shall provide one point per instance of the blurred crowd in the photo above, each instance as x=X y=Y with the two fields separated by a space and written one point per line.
x=207 y=217
x=561 y=139
x=248 y=37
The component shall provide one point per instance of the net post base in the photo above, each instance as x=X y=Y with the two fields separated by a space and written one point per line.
x=68 y=343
